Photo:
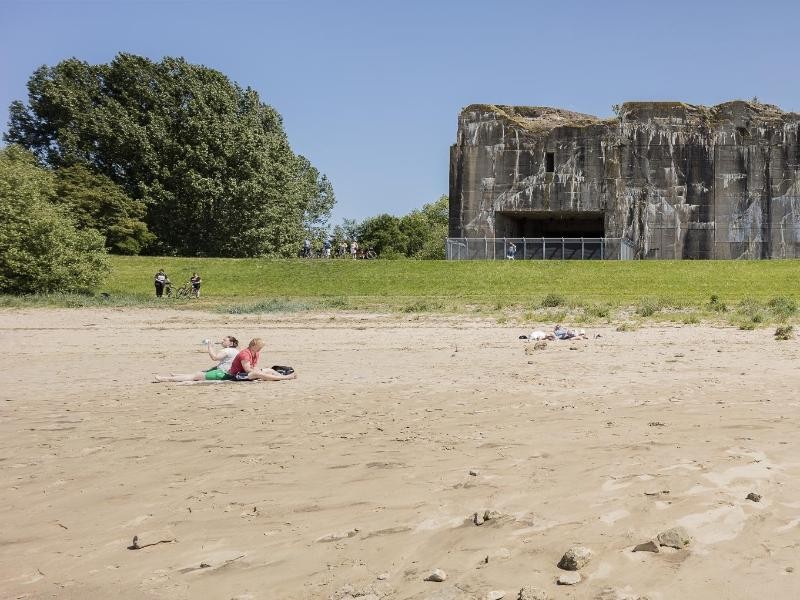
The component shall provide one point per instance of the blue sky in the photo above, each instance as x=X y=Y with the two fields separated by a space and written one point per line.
x=370 y=91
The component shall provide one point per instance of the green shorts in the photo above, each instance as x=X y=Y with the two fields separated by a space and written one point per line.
x=215 y=375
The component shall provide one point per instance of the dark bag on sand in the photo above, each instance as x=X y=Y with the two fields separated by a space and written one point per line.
x=283 y=370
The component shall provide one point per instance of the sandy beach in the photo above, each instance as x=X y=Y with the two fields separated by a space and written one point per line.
x=354 y=481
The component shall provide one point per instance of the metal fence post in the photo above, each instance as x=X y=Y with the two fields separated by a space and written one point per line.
x=581 y=248
x=524 y=249
x=562 y=248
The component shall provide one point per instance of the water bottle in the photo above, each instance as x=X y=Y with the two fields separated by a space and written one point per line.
x=206 y=342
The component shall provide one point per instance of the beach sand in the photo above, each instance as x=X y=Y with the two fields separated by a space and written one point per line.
x=360 y=468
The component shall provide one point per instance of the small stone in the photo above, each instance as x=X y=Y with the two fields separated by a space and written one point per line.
x=754 y=497
x=789 y=569
x=436 y=575
x=569 y=579
x=493 y=515
x=575 y=558
x=530 y=592
x=383 y=577
x=495 y=595
x=677 y=537
x=477 y=518
x=205 y=565
x=649 y=546
x=473 y=472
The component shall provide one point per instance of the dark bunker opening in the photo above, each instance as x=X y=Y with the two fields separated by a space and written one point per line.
x=554 y=235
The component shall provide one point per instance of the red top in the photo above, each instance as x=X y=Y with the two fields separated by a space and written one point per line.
x=245 y=355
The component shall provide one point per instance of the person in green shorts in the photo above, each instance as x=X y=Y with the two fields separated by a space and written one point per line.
x=225 y=356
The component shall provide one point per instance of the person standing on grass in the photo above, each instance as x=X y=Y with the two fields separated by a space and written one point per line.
x=353 y=248
x=195 y=281
x=511 y=251
x=161 y=281
x=244 y=366
x=230 y=348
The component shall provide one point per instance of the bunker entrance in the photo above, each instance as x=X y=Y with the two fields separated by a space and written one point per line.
x=550 y=224
x=555 y=235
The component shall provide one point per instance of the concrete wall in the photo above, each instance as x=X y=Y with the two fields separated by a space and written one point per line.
x=679 y=181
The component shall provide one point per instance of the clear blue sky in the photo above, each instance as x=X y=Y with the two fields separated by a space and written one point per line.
x=370 y=91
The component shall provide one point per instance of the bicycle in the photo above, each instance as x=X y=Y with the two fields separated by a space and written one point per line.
x=370 y=254
x=185 y=291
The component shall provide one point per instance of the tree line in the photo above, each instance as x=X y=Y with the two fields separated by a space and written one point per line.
x=163 y=158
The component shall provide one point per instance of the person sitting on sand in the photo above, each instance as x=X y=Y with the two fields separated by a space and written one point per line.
x=244 y=366
x=230 y=348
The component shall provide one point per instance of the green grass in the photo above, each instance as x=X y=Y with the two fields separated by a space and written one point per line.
x=752 y=292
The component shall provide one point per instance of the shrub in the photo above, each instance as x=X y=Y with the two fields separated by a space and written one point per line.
x=782 y=307
x=422 y=306
x=553 y=300
x=648 y=307
x=41 y=251
x=717 y=305
x=784 y=332
x=598 y=311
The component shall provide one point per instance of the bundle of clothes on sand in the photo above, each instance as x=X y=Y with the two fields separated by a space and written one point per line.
x=559 y=333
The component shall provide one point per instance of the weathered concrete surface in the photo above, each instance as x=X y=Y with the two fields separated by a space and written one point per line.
x=677 y=180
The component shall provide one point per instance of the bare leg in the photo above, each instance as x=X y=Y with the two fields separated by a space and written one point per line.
x=269 y=375
x=184 y=377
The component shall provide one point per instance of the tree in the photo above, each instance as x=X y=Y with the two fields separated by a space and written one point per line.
x=96 y=202
x=41 y=250
x=382 y=233
x=426 y=229
x=211 y=162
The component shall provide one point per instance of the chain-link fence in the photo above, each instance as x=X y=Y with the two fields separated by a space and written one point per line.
x=539 y=249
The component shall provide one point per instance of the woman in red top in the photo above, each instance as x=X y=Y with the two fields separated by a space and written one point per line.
x=244 y=365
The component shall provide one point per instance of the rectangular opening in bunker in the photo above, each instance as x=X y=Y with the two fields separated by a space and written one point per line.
x=542 y=232
x=549 y=162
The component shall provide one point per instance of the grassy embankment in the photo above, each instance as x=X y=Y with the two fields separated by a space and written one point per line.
x=744 y=293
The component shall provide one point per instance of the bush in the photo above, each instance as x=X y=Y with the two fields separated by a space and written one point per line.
x=782 y=307
x=598 y=311
x=41 y=251
x=553 y=300
x=648 y=307
x=784 y=332
x=716 y=304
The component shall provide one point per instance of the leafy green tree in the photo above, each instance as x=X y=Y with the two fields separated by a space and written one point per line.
x=382 y=233
x=436 y=215
x=41 y=250
x=209 y=159
x=425 y=230
x=96 y=202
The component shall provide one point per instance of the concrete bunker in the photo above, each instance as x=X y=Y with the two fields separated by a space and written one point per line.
x=658 y=180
